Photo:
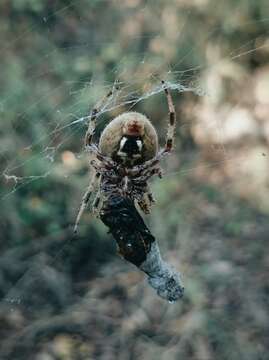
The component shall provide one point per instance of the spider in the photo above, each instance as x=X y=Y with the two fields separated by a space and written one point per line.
x=126 y=158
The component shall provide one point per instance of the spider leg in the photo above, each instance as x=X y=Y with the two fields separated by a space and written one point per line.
x=154 y=170
x=148 y=169
x=172 y=120
x=147 y=200
x=105 y=160
x=150 y=197
x=144 y=205
x=97 y=202
x=86 y=198
x=93 y=115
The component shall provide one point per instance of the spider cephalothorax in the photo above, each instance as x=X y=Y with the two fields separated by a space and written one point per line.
x=127 y=157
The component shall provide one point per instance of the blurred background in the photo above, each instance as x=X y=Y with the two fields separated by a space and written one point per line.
x=66 y=298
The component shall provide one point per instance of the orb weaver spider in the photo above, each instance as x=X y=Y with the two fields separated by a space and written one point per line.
x=127 y=157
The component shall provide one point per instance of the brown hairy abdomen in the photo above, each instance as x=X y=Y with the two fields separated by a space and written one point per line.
x=113 y=132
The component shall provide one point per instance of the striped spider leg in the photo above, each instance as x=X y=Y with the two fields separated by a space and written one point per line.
x=142 y=173
x=172 y=119
x=88 y=144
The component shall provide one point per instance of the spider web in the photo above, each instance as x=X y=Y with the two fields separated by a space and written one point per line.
x=67 y=122
x=125 y=98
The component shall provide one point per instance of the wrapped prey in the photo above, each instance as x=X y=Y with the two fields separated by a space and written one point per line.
x=137 y=245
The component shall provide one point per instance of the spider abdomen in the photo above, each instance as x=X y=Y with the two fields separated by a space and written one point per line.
x=118 y=134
